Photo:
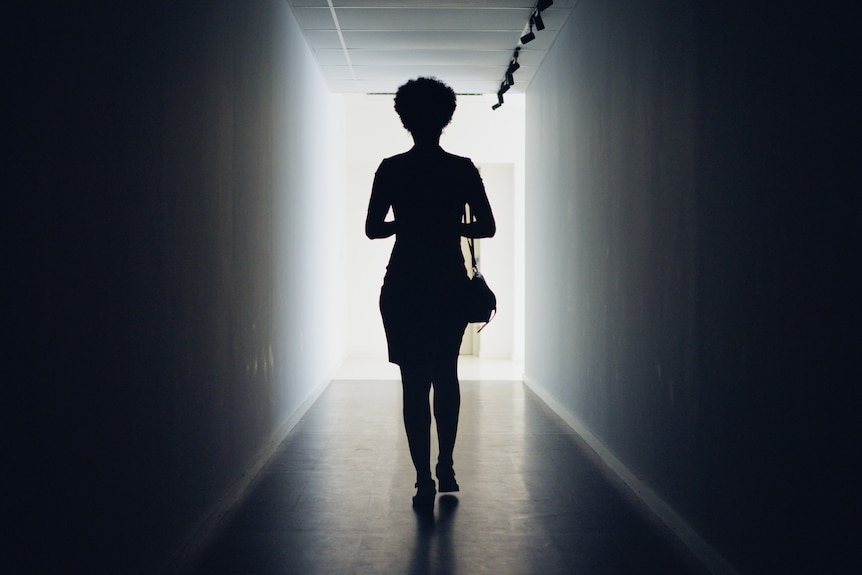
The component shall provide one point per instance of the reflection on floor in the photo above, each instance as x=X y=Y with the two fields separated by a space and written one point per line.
x=470 y=368
x=337 y=497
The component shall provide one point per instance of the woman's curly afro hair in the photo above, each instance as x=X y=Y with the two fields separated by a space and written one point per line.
x=425 y=105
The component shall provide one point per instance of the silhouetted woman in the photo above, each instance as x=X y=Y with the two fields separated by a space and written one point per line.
x=422 y=294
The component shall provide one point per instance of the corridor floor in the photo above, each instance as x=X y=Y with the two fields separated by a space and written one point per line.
x=337 y=497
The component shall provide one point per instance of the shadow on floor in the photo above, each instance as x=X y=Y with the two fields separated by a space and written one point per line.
x=337 y=498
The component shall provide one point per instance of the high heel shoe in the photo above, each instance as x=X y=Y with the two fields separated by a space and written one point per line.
x=425 y=494
x=446 y=477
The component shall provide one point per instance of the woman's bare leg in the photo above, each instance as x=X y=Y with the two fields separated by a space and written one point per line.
x=416 y=385
x=447 y=405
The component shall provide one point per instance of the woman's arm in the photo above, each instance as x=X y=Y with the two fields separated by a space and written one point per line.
x=380 y=229
x=376 y=226
x=484 y=225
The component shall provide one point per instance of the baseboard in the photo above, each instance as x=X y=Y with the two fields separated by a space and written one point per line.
x=187 y=555
x=704 y=552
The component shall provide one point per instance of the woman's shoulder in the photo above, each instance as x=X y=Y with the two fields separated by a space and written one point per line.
x=411 y=158
x=457 y=159
x=460 y=164
x=388 y=161
x=395 y=161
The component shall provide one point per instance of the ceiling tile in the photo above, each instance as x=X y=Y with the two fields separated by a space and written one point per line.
x=466 y=43
x=451 y=40
x=408 y=19
x=315 y=18
x=433 y=3
x=427 y=57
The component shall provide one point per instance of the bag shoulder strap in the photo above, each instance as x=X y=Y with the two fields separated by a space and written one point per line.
x=467 y=219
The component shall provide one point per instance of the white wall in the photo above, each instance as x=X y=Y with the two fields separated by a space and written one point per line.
x=495 y=257
x=495 y=142
x=192 y=213
x=309 y=212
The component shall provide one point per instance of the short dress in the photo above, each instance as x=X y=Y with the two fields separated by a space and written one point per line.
x=421 y=301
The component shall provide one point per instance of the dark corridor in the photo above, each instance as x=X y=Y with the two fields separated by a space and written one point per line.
x=335 y=498
x=692 y=243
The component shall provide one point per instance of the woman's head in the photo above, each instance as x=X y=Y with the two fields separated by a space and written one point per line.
x=425 y=105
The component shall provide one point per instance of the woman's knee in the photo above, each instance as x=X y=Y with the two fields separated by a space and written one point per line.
x=444 y=371
x=416 y=374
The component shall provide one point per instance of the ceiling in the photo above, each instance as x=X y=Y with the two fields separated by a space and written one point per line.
x=374 y=46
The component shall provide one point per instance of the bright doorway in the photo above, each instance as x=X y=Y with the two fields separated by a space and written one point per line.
x=495 y=142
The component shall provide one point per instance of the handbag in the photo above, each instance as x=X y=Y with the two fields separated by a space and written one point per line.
x=480 y=302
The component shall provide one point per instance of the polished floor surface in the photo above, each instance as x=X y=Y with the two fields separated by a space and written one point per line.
x=337 y=497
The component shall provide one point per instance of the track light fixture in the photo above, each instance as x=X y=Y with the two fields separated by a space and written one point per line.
x=513 y=67
x=509 y=79
x=537 y=21
x=499 y=100
x=529 y=36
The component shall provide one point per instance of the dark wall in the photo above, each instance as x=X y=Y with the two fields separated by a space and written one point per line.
x=147 y=371
x=692 y=223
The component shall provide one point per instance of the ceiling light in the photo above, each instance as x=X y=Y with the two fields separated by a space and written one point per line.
x=543 y=4
x=499 y=100
x=537 y=20
x=509 y=79
x=513 y=63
